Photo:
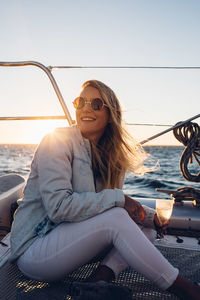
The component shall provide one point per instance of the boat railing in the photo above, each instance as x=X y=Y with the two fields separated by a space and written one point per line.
x=52 y=80
x=48 y=69
x=32 y=118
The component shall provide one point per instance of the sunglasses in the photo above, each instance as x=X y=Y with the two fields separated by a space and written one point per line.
x=96 y=103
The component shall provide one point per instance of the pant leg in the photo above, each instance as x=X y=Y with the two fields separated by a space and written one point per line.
x=71 y=245
x=113 y=259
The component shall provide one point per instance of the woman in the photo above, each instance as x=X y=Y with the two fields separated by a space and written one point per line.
x=73 y=206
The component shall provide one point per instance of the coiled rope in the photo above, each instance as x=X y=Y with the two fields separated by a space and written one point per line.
x=189 y=135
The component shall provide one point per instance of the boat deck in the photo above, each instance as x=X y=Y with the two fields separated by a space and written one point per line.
x=15 y=286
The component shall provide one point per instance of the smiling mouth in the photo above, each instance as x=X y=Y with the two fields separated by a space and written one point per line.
x=88 y=119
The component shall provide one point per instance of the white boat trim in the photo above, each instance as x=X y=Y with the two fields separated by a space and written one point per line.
x=170 y=241
x=17 y=189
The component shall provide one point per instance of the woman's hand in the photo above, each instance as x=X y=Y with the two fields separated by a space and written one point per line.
x=134 y=209
x=160 y=228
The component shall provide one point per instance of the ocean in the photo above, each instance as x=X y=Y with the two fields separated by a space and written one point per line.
x=167 y=174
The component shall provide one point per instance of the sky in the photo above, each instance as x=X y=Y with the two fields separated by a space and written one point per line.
x=100 y=33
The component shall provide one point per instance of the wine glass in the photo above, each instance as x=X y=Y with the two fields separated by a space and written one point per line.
x=164 y=210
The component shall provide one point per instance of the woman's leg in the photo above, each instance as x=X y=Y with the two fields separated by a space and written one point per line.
x=113 y=263
x=70 y=245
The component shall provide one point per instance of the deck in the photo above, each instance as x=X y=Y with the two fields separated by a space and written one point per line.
x=15 y=286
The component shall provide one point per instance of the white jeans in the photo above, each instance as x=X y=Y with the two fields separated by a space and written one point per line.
x=71 y=245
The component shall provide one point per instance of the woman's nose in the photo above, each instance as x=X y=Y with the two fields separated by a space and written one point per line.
x=87 y=107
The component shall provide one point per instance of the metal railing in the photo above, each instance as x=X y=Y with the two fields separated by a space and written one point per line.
x=33 y=118
x=52 y=79
x=67 y=115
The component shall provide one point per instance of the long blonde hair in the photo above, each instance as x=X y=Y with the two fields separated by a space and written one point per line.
x=116 y=152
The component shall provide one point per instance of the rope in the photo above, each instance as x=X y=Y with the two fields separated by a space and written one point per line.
x=189 y=135
x=186 y=193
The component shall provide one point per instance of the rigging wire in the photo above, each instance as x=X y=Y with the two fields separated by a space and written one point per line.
x=169 y=129
x=147 y=124
x=127 y=67
x=20 y=118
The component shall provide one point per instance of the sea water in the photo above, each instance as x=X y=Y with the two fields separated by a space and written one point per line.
x=165 y=160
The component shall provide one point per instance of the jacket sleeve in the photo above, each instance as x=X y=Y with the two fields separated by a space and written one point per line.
x=53 y=158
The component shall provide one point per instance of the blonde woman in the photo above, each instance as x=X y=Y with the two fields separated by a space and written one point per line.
x=73 y=206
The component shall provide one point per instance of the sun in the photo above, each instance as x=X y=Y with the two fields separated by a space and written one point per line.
x=28 y=131
x=36 y=130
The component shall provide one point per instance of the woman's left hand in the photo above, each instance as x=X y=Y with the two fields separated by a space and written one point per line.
x=160 y=228
x=134 y=209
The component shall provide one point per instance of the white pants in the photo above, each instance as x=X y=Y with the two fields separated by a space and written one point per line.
x=71 y=245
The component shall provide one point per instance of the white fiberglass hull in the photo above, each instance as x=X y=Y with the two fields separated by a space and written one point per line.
x=184 y=216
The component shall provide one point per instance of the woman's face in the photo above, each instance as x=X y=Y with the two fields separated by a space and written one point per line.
x=92 y=123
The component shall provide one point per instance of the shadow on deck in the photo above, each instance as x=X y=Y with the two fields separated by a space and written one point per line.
x=15 y=286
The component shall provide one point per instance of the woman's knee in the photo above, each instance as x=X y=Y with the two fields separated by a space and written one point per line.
x=115 y=217
x=118 y=213
x=118 y=217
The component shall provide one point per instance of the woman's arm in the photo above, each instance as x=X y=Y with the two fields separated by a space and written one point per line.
x=53 y=160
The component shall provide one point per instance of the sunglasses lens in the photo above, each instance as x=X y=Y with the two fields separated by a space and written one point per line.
x=97 y=104
x=79 y=103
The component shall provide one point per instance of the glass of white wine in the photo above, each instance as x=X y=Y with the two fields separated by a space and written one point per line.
x=164 y=210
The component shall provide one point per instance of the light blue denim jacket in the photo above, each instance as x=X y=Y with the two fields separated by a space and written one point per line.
x=60 y=188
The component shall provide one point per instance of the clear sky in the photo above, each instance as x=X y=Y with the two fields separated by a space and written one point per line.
x=106 y=32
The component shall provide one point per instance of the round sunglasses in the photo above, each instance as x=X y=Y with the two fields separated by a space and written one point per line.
x=96 y=103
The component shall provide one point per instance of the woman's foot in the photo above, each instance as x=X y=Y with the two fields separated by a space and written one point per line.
x=101 y=273
x=185 y=289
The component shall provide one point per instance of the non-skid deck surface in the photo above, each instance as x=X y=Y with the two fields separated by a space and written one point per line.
x=15 y=286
